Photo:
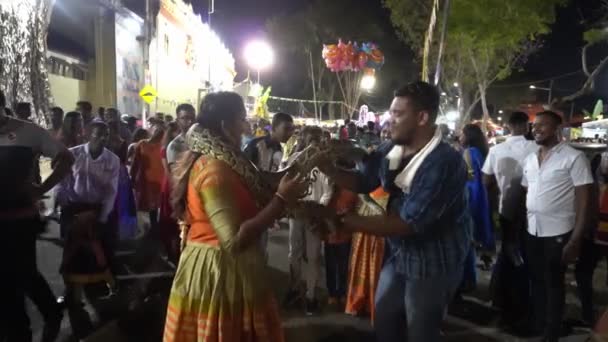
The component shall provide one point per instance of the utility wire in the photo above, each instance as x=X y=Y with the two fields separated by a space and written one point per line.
x=537 y=81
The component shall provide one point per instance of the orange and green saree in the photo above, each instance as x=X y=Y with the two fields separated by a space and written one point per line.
x=219 y=294
x=367 y=253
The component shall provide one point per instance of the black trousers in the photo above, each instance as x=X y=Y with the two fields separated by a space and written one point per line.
x=336 y=268
x=547 y=273
x=18 y=262
x=510 y=284
x=591 y=254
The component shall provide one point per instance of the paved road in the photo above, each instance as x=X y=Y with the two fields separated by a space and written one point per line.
x=126 y=318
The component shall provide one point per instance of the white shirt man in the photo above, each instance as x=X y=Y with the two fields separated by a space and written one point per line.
x=302 y=241
x=93 y=181
x=550 y=199
x=505 y=163
x=503 y=171
x=558 y=179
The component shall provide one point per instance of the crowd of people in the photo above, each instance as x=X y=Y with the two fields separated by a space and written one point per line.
x=400 y=237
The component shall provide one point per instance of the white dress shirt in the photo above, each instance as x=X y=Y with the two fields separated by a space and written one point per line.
x=505 y=163
x=550 y=199
x=93 y=181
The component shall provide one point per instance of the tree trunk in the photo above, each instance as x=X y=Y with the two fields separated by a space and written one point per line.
x=23 y=73
x=587 y=86
x=467 y=105
x=484 y=108
x=331 y=108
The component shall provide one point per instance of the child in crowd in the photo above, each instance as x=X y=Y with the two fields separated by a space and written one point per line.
x=337 y=249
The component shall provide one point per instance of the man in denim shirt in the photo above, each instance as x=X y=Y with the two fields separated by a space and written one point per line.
x=428 y=227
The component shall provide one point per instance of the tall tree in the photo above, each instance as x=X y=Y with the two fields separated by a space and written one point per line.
x=595 y=36
x=23 y=73
x=485 y=40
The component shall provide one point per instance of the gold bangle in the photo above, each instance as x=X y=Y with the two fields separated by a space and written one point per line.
x=281 y=197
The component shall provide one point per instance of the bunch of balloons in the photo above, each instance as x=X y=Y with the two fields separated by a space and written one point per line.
x=353 y=57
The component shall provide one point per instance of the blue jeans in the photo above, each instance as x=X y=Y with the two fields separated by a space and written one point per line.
x=412 y=309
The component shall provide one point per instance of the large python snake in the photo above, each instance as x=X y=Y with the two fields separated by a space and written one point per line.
x=204 y=142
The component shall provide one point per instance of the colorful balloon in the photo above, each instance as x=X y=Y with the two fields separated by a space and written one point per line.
x=352 y=56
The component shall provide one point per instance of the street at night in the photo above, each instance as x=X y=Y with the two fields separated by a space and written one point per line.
x=144 y=322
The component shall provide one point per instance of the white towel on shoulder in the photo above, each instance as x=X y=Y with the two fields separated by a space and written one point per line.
x=395 y=156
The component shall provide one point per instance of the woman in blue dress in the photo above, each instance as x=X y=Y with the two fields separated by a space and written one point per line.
x=475 y=151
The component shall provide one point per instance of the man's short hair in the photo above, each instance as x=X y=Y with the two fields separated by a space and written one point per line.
x=556 y=118
x=518 y=118
x=423 y=95
x=97 y=124
x=371 y=125
x=23 y=107
x=186 y=107
x=86 y=105
x=311 y=130
x=279 y=118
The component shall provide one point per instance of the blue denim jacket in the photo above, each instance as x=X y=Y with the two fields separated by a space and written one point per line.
x=435 y=208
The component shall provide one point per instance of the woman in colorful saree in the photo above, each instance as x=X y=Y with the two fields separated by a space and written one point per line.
x=367 y=255
x=220 y=291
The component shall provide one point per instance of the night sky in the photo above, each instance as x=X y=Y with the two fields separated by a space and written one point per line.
x=238 y=21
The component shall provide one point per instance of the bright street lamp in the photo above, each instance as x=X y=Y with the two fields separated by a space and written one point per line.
x=259 y=56
x=500 y=118
x=443 y=93
x=500 y=111
x=456 y=84
x=368 y=82
x=452 y=115
x=549 y=90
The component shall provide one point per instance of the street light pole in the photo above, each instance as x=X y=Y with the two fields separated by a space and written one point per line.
x=209 y=13
x=550 y=90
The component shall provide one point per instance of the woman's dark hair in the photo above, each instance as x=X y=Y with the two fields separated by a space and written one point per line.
x=474 y=137
x=158 y=131
x=139 y=135
x=216 y=108
x=171 y=132
x=219 y=107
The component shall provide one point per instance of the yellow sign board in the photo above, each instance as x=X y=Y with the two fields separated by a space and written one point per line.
x=148 y=93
